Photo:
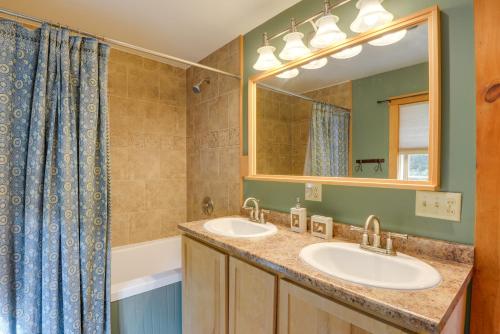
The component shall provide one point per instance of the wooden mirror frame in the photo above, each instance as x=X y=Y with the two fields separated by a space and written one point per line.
x=432 y=18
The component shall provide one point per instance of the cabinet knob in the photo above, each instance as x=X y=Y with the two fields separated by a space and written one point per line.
x=492 y=93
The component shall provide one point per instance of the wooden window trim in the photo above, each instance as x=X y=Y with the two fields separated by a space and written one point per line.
x=395 y=104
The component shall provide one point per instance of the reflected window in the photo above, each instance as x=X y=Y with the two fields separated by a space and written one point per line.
x=413 y=166
x=409 y=138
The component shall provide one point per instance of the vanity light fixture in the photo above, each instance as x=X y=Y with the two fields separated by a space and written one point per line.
x=348 y=53
x=317 y=63
x=294 y=47
x=327 y=31
x=389 y=38
x=267 y=59
x=371 y=15
x=288 y=74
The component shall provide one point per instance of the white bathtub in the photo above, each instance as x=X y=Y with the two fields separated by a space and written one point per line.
x=145 y=266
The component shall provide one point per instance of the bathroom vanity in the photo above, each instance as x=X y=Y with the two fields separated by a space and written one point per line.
x=371 y=117
x=241 y=285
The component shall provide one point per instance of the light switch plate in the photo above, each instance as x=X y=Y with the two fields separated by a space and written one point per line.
x=313 y=192
x=439 y=205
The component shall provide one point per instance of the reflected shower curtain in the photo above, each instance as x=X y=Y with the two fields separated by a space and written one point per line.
x=328 y=143
x=54 y=211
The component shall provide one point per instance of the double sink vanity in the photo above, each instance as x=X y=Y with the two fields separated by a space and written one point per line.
x=260 y=277
x=358 y=123
x=348 y=261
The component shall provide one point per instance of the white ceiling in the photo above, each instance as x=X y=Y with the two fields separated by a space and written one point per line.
x=411 y=50
x=189 y=29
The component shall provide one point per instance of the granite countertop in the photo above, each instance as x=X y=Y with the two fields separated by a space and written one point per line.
x=417 y=310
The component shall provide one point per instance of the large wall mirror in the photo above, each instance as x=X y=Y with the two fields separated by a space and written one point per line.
x=370 y=116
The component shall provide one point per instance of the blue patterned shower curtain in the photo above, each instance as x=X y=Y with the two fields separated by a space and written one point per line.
x=54 y=212
x=328 y=144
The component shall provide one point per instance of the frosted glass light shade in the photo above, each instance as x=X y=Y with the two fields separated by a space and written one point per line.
x=328 y=32
x=267 y=59
x=390 y=38
x=294 y=47
x=315 y=64
x=371 y=15
x=288 y=74
x=348 y=53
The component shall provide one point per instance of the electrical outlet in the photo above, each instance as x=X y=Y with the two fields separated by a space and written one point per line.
x=313 y=192
x=439 y=205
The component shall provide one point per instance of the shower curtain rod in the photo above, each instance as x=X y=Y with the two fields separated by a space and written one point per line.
x=279 y=90
x=119 y=43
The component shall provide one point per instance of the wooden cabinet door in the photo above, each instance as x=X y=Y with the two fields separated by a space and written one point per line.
x=204 y=289
x=304 y=312
x=252 y=299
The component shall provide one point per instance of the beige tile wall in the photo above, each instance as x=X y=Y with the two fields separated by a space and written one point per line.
x=213 y=138
x=301 y=120
x=283 y=127
x=148 y=148
x=339 y=95
x=276 y=131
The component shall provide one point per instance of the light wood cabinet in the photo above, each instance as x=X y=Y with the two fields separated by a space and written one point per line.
x=224 y=295
x=302 y=311
x=252 y=299
x=204 y=289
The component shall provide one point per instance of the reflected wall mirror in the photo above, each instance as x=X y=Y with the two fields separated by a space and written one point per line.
x=355 y=113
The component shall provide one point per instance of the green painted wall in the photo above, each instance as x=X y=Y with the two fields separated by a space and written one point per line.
x=370 y=120
x=397 y=207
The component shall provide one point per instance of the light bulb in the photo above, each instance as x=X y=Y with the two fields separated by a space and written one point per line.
x=328 y=32
x=267 y=59
x=348 y=53
x=294 y=47
x=371 y=15
x=389 y=38
x=288 y=74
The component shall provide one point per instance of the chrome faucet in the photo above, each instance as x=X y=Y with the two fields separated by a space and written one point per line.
x=375 y=245
x=376 y=231
x=254 y=213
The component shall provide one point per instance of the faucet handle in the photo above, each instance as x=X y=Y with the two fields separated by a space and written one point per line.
x=390 y=235
x=262 y=217
x=251 y=210
x=364 y=241
x=396 y=235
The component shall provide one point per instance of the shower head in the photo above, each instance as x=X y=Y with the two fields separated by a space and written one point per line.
x=197 y=87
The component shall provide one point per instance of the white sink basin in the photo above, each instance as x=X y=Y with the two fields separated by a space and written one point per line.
x=239 y=228
x=351 y=263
